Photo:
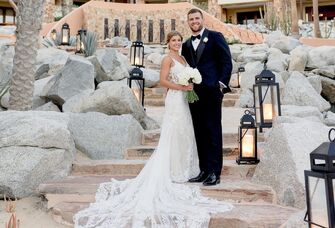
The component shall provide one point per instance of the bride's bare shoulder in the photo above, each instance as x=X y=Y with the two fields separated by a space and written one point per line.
x=167 y=60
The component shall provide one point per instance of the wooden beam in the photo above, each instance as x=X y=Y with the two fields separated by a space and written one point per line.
x=13 y=5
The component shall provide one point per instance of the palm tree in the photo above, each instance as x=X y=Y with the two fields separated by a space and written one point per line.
x=294 y=15
x=317 y=32
x=29 y=21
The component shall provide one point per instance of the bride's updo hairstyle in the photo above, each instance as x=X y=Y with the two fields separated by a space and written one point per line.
x=172 y=34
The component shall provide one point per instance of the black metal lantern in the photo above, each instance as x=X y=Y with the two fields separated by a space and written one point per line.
x=53 y=34
x=137 y=54
x=239 y=70
x=80 y=38
x=320 y=186
x=247 y=140
x=65 y=34
x=266 y=98
x=136 y=82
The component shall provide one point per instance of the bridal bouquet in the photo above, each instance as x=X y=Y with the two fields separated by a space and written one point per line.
x=187 y=76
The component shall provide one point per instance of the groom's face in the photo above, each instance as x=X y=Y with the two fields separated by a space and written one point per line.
x=195 y=21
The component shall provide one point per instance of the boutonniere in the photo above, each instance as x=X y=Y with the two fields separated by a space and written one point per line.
x=205 y=40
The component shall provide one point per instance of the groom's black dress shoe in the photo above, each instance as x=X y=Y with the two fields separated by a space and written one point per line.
x=200 y=178
x=211 y=179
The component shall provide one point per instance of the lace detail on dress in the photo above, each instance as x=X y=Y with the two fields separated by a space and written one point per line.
x=152 y=199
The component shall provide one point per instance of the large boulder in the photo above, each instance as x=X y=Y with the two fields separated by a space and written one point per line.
x=298 y=91
x=34 y=147
x=299 y=57
x=6 y=64
x=151 y=77
x=255 y=53
x=111 y=98
x=328 y=89
x=104 y=137
x=286 y=156
x=76 y=76
x=277 y=61
x=285 y=44
x=50 y=61
x=38 y=97
x=321 y=57
x=114 y=65
x=327 y=71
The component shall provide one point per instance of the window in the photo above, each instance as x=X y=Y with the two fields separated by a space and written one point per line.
x=7 y=16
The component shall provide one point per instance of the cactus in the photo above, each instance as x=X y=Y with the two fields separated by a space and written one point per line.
x=90 y=43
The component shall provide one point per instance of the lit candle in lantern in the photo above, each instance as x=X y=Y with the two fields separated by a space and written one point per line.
x=248 y=146
x=65 y=39
x=137 y=61
x=267 y=111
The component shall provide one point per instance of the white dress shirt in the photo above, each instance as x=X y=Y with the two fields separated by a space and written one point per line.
x=196 y=42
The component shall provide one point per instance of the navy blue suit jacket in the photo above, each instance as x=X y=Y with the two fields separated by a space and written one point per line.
x=212 y=59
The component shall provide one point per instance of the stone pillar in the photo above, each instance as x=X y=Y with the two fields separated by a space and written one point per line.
x=215 y=9
x=48 y=13
x=66 y=6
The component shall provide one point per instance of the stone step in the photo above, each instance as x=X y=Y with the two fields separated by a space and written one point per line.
x=151 y=137
x=156 y=90
x=228 y=102
x=126 y=168
x=235 y=96
x=148 y=95
x=241 y=216
x=143 y=152
x=154 y=102
x=83 y=189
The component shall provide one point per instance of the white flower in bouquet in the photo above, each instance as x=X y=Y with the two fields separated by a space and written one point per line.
x=187 y=76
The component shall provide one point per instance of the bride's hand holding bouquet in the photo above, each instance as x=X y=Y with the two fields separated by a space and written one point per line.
x=186 y=78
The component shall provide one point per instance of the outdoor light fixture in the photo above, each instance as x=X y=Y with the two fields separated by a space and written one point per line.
x=137 y=54
x=239 y=70
x=65 y=34
x=266 y=98
x=80 y=38
x=320 y=186
x=53 y=34
x=136 y=82
x=136 y=75
x=247 y=140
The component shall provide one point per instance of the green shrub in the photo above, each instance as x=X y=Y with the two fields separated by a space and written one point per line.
x=90 y=43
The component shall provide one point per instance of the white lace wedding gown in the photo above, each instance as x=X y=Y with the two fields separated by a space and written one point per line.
x=153 y=199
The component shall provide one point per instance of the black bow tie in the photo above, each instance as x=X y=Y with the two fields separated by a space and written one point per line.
x=196 y=37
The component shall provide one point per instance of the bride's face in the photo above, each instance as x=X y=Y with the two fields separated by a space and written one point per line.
x=175 y=43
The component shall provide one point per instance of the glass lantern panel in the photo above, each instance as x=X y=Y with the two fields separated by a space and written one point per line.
x=248 y=143
x=65 y=38
x=257 y=105
x=136 y=87
x=318 y=203
x=269 y=100
x=138 y=56
x=132 y=55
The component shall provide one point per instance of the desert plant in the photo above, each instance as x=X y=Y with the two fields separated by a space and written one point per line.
x=270 y=17
x=286 y=21
x=48 y=42
x=90 y=43
x=73 y=41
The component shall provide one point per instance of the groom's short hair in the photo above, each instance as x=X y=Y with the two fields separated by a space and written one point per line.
x=194 y=10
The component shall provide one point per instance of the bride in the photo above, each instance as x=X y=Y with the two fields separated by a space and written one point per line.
x=156 y=198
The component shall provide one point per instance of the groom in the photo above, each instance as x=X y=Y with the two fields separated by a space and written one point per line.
x=208 y=52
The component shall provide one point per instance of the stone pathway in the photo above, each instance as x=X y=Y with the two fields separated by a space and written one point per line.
x=254 y=204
